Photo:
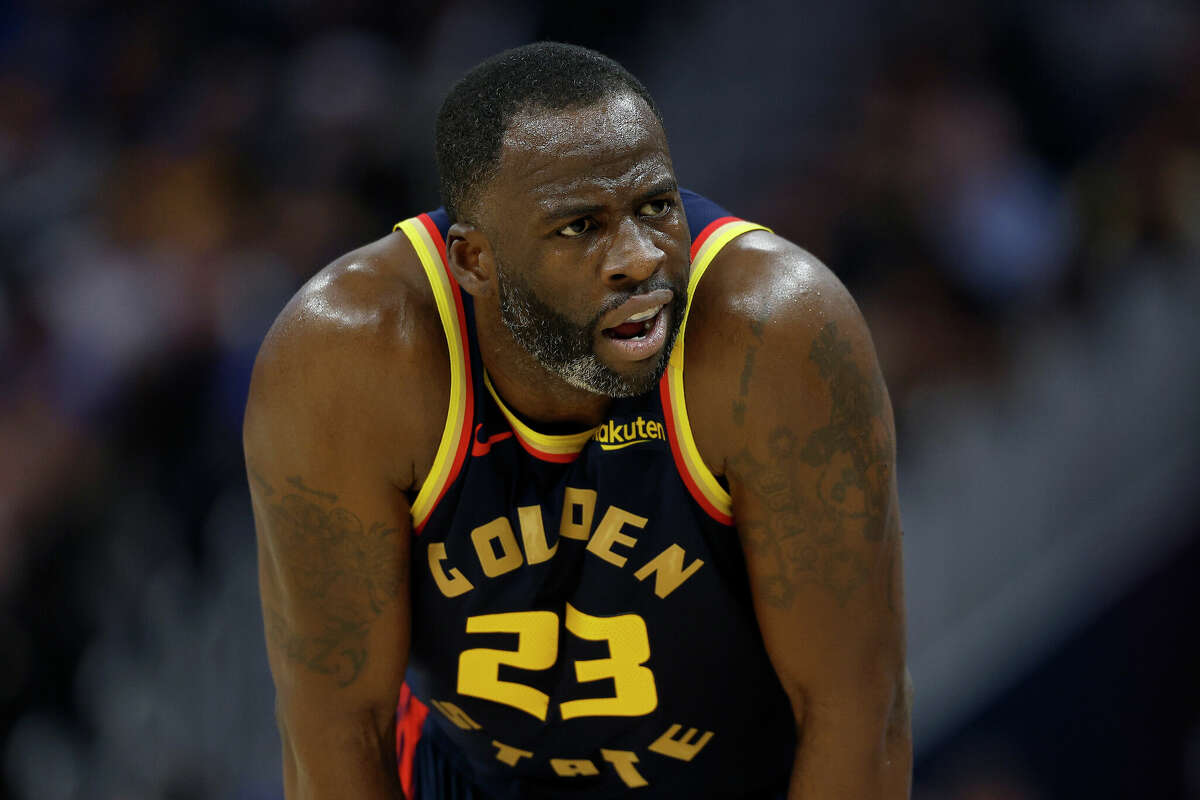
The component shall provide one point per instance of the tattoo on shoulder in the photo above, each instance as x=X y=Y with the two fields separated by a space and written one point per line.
x=342 y=572
x=803 y=534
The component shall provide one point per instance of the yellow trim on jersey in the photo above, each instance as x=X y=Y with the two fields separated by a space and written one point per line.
x=560 y=444
x=452 y=431
x=705 y=480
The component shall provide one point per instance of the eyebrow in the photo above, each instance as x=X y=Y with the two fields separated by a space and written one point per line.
x=662 y=187
x=557 y=212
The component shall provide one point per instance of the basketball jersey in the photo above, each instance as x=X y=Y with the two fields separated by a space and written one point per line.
x=581 y=616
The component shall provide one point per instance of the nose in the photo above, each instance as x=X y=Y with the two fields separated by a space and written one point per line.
x=633 y=257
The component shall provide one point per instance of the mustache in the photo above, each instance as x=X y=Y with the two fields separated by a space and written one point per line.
x=651 y=284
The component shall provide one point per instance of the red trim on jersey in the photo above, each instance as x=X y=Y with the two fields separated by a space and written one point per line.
x=708 y=229
x=664 y=393
x=464 y=439
x=410 y=716
x=436 y=235
x=542 y=455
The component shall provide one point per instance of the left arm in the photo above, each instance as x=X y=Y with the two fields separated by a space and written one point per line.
x=806 y=441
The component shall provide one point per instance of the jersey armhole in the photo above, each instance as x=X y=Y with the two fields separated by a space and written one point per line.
x=426 y=240
x=703 y=485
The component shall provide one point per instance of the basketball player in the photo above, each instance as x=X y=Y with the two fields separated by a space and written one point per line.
x=590 y=479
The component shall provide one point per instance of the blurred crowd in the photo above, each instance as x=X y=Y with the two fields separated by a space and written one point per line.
x=171 y=173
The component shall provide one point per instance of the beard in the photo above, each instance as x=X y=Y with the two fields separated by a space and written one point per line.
x=566 y=349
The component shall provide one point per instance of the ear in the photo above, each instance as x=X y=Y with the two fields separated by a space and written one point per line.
x=469 y=254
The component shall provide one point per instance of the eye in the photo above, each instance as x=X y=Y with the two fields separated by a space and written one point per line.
x=655 y=208
x=577 y=228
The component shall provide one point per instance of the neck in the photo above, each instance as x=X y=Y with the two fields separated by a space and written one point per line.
x=527 y=387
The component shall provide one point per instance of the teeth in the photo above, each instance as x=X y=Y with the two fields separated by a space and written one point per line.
x=647 y=314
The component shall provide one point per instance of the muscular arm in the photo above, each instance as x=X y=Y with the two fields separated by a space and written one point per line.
x=329 y=460
x=336 y=624
x=804 y=436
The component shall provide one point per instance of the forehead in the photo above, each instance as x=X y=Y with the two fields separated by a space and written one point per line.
x=613 y=144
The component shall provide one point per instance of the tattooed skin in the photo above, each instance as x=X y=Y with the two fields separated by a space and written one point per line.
x=803 y=531
x=739 y=405
x=337 y=569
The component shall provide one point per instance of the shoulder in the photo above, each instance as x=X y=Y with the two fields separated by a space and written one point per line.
x=341 y=366
x=370 y=303
x=764 y=278
x=761 y=316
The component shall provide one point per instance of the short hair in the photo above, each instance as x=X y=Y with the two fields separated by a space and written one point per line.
x=479 y=108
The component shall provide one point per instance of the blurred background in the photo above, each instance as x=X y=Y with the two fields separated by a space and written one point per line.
x=1011 y=190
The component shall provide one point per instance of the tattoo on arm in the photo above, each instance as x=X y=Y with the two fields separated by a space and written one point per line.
x=739 y=405
x=803 y=530
x=263 y=486
x=295 y=481
x=340 y=572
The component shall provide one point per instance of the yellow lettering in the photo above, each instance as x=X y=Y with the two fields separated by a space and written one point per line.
x=452 y=583
x=623 y=761
x=608 y=533
x=537 y=647
x=533 y=534
x=583 y=501
x=683 y=748
x=629 y=649
x=498 y=530
x=566 y=767
x=510 y=755
x=455 y=715
x=668 y=571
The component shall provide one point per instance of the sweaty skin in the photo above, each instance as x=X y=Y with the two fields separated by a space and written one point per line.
x=784 y=393
x=603 y=171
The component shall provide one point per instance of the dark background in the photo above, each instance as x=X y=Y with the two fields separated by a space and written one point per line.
x=1010 y=190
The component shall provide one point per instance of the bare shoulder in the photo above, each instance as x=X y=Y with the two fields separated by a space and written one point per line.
x=763 y=310
x=356 y=362
x=762 y=277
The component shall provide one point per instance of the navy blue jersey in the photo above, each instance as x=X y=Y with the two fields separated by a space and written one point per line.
x=581 y=616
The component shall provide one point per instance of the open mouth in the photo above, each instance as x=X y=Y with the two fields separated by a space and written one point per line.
x=638 y=337
x=636 y=327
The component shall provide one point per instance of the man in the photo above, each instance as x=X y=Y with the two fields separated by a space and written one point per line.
x=584 y=562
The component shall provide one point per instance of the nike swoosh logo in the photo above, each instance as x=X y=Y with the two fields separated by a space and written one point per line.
x=482 y=448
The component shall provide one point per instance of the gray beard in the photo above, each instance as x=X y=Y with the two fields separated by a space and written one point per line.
x=565 y=349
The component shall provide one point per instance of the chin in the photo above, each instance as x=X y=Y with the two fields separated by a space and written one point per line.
x=595 y=376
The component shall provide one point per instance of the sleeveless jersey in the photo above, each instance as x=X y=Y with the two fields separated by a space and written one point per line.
x=581 y=617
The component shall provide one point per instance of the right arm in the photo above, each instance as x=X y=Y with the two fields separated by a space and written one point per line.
x=330 y=465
